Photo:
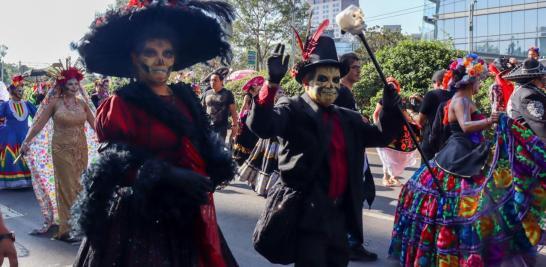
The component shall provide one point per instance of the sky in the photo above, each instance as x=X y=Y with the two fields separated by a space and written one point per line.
x=408 y=13
x=39 y=32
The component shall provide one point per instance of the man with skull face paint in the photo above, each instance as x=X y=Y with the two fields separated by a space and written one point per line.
x=147 y=200
x=320 y=150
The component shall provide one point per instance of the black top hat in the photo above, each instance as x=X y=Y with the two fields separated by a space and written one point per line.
x=324 y=54
x=530 y=69
x=194 y=27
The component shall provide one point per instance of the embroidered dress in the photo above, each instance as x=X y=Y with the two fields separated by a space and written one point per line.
x=401 y=153
x=11 y=136
x=489 y=210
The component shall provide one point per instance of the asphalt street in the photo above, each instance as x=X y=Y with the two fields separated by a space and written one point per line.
x=238 y=209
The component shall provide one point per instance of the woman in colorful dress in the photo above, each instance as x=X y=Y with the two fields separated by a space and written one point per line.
x=482 y=206
x=69 y=149
x=16 y=111
x=246 y=140
x=401 y=153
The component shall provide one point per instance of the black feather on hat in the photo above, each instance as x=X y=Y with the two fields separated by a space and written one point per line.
x=196 y=28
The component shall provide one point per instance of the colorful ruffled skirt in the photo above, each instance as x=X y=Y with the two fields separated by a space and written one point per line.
x=483 y=220
x=13 y=175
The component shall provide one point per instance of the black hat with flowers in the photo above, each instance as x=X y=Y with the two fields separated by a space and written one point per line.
x=196 y=28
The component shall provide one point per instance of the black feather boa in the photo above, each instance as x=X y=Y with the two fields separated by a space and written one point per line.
x=99 y=182
x=220 y=166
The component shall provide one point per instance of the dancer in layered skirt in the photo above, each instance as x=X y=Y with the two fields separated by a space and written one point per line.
x=245 y=140
x=484 y=203
x=260 y=170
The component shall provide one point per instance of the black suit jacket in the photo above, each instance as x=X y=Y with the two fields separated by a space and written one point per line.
x=297 y=123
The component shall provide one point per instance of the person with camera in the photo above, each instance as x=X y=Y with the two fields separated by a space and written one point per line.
x=400 y=153
x=429 y=107
x=502 y=89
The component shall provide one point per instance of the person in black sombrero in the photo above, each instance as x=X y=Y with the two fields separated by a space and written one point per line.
x=528 y=101
x=147 y=200
x=320 y=154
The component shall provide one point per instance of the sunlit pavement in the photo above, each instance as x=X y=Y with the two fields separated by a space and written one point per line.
x=238 y=210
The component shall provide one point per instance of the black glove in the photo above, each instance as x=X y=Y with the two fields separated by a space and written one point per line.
x=277 y=64
x=391 y=99
x=190 y=183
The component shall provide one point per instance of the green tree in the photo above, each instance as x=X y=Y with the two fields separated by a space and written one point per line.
x=412 y=63
x=379 y=38
x=261 y=24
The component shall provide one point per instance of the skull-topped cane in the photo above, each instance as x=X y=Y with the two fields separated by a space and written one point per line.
x=351 y=20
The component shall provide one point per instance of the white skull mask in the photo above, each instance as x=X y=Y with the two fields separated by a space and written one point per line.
x=324 y=86
x=351 y=20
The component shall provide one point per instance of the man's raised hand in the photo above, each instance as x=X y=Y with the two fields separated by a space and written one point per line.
x=277 y=64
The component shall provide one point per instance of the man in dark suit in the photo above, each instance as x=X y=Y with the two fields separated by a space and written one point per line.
x=320 y=151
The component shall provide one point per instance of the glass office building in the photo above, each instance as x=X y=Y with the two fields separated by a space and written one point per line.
x=500 y=27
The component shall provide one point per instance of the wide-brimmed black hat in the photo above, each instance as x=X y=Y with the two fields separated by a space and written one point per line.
x=324 y=54
x=196 y=28
x=530 y=69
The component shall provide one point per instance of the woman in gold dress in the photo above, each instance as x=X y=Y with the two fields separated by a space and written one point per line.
x=69 y=145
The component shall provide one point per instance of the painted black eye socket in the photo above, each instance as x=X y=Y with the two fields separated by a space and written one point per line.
x=149 y=53
x=168 y=54
x=335 y=80
x=322 y=78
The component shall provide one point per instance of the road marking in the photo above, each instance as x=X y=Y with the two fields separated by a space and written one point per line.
x=21 y=250
x=8 y=213
x=376 y=214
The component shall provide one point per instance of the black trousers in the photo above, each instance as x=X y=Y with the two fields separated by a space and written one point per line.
x=220 y=130
x=327 y=248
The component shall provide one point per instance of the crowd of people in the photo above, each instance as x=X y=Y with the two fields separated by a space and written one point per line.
x=144 y=196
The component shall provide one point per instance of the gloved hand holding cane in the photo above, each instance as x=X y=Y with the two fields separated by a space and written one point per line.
x=351 y=20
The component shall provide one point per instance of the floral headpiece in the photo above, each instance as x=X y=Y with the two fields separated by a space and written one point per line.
x=468 y=69
x=17 y=81
x=67 y=72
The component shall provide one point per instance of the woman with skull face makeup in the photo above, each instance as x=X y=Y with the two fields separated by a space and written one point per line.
x=147 y=200
x=69 y=145
x=16 y=112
